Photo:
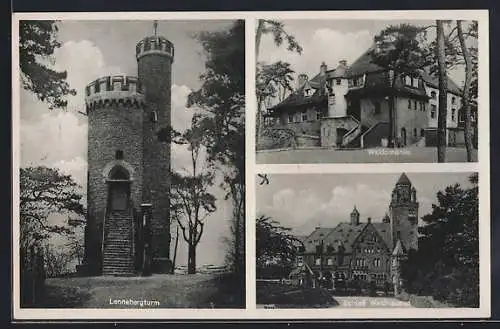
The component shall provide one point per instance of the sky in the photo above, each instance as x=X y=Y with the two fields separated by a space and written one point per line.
x=92 y=49
x=306 y=201
x=331 y=41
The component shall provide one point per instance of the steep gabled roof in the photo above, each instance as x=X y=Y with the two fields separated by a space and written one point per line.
x=384 y=230
x=434 y=83
x=363 y=65
x=403 y=180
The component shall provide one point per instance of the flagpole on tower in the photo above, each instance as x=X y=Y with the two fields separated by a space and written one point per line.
x=155 y=27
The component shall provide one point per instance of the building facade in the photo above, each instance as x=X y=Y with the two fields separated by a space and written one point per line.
x=129 y=166
x=349 y=107
x=370 y=251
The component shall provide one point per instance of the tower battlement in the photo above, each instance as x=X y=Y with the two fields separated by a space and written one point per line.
x=155 y=45
x=112 y=90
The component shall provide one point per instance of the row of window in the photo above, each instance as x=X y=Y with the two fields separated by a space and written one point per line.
x=302 y=117
x=421 y=105
x=434 y=112
x=359 y=262
x=434 y=96
x=411 y=81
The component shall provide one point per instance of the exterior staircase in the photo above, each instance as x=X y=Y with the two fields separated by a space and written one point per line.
x=356 y=141
x=118 y=242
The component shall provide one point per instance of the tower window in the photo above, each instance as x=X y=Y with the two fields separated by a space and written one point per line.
x=433 y=111
x=338 y=82
x=154 y=116
x=119 y=155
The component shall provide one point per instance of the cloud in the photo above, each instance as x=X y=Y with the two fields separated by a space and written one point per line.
x=323 y=44
x=56 y=136
x=305 y=209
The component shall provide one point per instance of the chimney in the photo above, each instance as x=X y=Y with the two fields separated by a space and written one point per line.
x=343 y=62
x=301 y=80
x=369 y=220
x=322 y=68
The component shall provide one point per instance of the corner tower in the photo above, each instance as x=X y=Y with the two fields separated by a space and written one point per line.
x=155 y=55
x=404 y=214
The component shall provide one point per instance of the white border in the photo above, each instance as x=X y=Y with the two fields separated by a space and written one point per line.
x=290 y=314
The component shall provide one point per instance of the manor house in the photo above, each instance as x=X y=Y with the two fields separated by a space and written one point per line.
x=349 y=107
x=369 y=250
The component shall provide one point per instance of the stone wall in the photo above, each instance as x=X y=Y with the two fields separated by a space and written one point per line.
x=329 y=130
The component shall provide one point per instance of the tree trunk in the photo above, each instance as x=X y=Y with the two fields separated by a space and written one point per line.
x=443 y=92
x=391 y=140
x=258 y=35
x=175 y=248
x=191 y=259
x=466 y=91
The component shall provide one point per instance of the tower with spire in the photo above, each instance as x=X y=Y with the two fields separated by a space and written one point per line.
x=403 y=211
x=354 y=216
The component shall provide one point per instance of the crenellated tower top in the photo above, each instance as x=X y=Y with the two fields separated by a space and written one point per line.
x=112 y=90
x=155 y=44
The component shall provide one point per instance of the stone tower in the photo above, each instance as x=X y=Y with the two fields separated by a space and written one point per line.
x=129 y=164
x=155 y=55
x=404 y=214
x=115 y=108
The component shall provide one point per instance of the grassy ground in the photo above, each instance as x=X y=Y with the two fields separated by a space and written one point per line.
x=378 y=155
x=171 y=291
x=282 y=296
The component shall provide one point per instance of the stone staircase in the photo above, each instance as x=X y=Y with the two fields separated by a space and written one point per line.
x=117 y=250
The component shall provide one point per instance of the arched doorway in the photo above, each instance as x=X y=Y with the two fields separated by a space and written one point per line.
x=118 y=189
x=403 y=136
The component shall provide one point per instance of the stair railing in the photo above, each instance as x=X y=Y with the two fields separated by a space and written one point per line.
x=132 y=230
x=351 y=134
x=103 y=234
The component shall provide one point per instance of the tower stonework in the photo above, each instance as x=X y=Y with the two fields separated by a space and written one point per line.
x=114 y=107
x=404 y=214
x=155 y=56
x=129 y=167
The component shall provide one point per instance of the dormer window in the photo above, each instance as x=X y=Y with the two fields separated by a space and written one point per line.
x=453 y=100
x=415 y=82
x=408 y=80
x=433 y=94
x=338 y=82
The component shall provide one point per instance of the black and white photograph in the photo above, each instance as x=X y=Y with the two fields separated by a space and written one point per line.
x=359 y=240
x=367 y=90
x=131 y=148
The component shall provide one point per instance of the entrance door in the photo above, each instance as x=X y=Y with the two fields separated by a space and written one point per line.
x=340 y=136
x=118 y=195
x=403 y=136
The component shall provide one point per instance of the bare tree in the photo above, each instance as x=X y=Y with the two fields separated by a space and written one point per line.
x=190 y=192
